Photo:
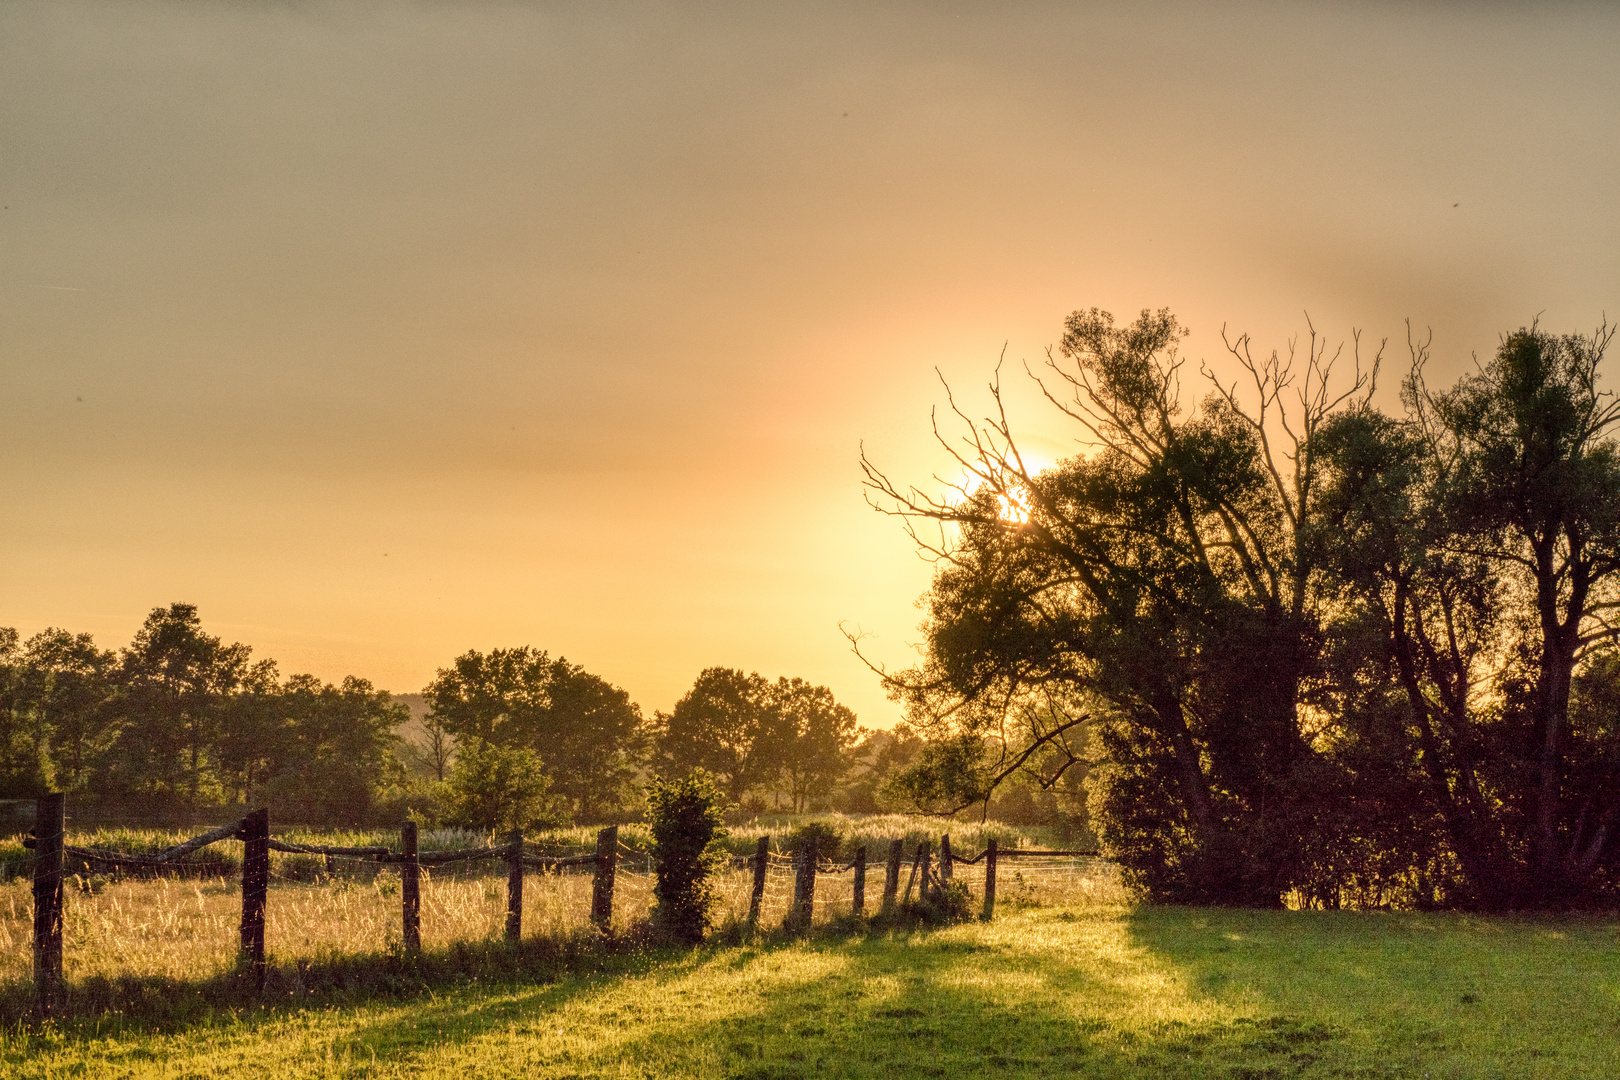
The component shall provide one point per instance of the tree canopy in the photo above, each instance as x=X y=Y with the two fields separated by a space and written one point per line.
x=758 y=738
x=587 y=733
x=1210 y=609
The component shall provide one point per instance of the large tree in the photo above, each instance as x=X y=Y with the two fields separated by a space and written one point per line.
x=1162 y=585
x=587 y=733
x=1480 y=534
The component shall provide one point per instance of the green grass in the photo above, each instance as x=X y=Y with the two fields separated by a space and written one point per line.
x=1095 y=991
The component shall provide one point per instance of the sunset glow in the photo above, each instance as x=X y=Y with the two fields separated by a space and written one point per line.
x=385 y=332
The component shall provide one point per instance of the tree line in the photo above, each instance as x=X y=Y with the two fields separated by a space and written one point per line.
x=180 y=723
x=1299 y=644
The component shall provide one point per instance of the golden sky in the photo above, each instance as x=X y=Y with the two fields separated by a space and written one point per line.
x=386 y=331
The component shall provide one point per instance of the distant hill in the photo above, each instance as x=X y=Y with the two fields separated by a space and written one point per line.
x=418 y=746
x=414 y=702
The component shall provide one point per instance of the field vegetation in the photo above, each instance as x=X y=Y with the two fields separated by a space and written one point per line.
x=182 y=925
x=1092 y=987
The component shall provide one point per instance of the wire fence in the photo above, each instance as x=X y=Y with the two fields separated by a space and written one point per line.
x=304 y=899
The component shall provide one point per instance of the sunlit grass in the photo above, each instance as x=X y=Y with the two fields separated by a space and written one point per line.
x=186 y=928
x=1099 y=990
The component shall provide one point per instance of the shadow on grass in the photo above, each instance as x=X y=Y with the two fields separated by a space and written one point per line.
x=163 y=1004
x=873 y=1002
x=1161 y=992
x=956 y=1007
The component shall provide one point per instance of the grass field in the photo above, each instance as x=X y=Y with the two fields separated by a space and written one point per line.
x=1068 y=980
x=1099 y=990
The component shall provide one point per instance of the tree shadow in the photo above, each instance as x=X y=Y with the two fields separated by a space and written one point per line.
x=1150 y=992
x=903 y=1004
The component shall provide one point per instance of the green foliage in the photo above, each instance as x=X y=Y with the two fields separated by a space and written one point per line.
x=182 y=723
x=588 y=733
x=761 y=739
x=1126 y=994
x=944 y=903
x=687 y=835
x=829 y=843
x=1325 y=654
x=499 y=788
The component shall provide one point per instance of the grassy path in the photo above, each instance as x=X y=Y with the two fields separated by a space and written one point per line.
x=1098 y=992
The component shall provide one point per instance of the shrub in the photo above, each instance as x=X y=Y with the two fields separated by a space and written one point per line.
x=497 y=787
x=946 y=903
x=828 y=842
x=686 y=820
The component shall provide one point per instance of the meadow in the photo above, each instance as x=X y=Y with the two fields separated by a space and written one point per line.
x=1101 y=990
x=1069 y=978
x=184 y=925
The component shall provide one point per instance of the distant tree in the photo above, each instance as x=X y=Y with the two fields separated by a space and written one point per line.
x=24 y=741
x=68 y=684
x=878 y=756
x=340 y=748
x=496 y=787
x=255 y=736
x=587 y=732
x=815 y=737
x=436 y=750
x=728 y=725
x=175 y=684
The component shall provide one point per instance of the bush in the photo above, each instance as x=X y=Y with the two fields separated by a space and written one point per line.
x=828 y=842
x=946 y=903
x=686 y=820
x=497 y=787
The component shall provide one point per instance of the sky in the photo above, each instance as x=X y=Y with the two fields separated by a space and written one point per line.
x=387 y=331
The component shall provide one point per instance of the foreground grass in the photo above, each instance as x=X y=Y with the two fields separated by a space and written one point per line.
x=1102 y=991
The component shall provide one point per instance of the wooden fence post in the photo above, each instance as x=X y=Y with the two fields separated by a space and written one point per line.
x=410 y=872
x=762 y=856
x=891 y=874
x=946 y=870
x=514 y=887
x=919 y=864
x=255 y=888
x=989 y=879
x=925 y=867
x=804 y=885
x=607 y=865
x=857 y=906
x=49 y=821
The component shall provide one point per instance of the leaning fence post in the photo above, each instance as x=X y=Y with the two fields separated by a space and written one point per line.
x=925 y=867
x=919 y=864
x=989 y=879
x=49 y=818
x=514 y=887
x=255 y=836
x=945 y=868
x=804 y=884
x=891 y=874
x=858 y=903
x=762 y=856
x=607 y=864
x=410 y=872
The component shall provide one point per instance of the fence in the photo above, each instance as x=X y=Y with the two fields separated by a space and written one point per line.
x=774 y=876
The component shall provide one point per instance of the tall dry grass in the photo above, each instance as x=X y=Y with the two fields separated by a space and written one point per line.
x=188 y=929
